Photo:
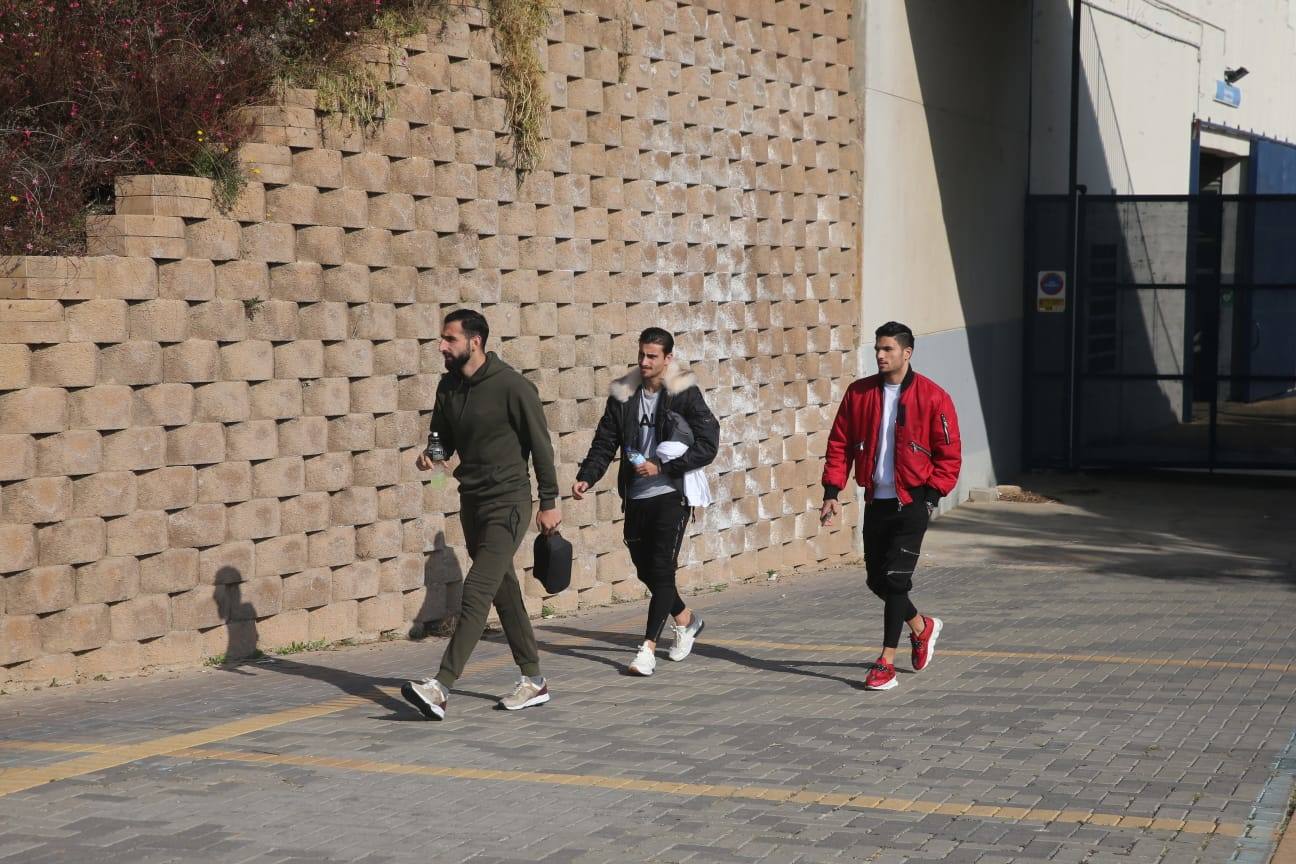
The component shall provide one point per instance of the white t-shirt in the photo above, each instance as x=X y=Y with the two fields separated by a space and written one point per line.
x=649 y=487
x=884 y=472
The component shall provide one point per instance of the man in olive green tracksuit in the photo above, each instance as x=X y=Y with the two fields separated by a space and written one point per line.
x=491 y=416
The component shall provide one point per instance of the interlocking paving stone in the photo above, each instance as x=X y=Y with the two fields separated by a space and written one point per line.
x=1054 y=731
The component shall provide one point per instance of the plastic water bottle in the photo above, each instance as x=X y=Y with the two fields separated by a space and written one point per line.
x=437 y=453
x=636 y=458
x=435 y=449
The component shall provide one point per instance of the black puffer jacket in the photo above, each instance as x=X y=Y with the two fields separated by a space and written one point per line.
x=619 y=429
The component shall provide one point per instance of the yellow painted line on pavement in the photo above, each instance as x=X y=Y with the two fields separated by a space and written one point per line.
x=778 y=794
x=1062 y=657
x=102 y=758
x=55 y=746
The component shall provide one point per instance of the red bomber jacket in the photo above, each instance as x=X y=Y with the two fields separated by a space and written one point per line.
x=928 y=451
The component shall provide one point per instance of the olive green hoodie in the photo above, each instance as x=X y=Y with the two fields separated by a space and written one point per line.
x=494 y=421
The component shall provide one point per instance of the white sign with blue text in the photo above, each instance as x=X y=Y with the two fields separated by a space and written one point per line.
x=1228 y=94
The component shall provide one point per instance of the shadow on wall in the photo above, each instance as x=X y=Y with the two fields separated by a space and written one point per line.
x=238 y=614
x=443 y=577
x=240 y=624
x=974 y=71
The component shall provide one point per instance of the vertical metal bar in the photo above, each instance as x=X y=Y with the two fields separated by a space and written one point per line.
x=1075 y=304
x=1028 y=326
x=1210 y=327
x=1073 y=214
x=1073 y=156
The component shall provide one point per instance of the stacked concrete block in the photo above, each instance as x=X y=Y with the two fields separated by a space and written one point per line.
x=208 y=427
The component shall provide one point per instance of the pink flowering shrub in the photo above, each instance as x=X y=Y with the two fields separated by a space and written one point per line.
x=91 y=89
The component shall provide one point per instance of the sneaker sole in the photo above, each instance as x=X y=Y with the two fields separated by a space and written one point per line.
x=638 y=673
x=690 y=651
x=887 y=686
x=426 y=708
x=937 y=624
x=534 y=700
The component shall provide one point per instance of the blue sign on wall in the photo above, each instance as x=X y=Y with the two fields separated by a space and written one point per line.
x=1228 y=94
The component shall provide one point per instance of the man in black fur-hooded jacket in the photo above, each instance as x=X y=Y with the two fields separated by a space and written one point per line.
x=637 y=419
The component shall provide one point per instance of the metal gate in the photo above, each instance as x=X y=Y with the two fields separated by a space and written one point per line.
x=1174 y=345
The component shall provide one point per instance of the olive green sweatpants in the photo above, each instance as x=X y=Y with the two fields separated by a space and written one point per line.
x=494 y=531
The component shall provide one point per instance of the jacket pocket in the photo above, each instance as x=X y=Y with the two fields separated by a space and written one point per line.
x=945 y=427
x=918 y=448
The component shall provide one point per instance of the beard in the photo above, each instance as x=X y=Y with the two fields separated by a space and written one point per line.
x=455 y=362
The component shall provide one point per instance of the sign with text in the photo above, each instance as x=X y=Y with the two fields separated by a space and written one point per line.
x=1050 y=291
x=1228 y=94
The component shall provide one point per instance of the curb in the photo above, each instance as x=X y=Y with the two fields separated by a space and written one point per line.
x=1265 y=841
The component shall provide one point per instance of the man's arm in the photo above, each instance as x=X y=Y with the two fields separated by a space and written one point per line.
x=706 y=434
x=535 y=434
x=946 y=447
x=836 y=464
x=604 y=447
x=440 y=425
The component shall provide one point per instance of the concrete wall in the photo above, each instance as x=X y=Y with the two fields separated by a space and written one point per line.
x=944 y=115
x=1149 y=70
x=208 y=426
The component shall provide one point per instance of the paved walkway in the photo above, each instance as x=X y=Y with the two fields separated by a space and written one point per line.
x=1092 y=700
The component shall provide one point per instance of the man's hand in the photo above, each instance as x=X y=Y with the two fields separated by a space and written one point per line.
x=579 y=488
x=423 y=463
x=648 y=469
x=547 y=521
x=829 y=511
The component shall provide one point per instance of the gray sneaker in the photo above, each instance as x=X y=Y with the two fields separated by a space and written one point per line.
x=428 y=696
x=526 y=694
x=685 y=637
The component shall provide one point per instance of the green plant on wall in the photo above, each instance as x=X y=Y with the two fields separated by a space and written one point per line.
x=360 y=97
x=519 y=26
x=220 y=164
x=357 y=95
x=93 y=91
x=626 y=20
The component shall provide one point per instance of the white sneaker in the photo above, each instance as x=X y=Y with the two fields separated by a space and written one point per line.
x=645 y=662
x=428 y=696
x=525 y=694
x=685 y=637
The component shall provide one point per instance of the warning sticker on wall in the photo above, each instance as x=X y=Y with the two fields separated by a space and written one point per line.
x=1050 y=291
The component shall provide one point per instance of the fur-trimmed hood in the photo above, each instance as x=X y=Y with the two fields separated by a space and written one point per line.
x=676 y=380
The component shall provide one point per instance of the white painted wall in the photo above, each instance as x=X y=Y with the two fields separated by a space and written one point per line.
x=943 y=87
x=944 y=155
x=962 y=102
x=1150 y=68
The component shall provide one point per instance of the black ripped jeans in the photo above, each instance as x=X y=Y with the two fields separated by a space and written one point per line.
x=654 y=531
x=893 y=536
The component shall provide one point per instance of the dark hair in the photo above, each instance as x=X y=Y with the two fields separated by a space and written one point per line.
x=658 y=336
x=897 y=331
x=473 y=324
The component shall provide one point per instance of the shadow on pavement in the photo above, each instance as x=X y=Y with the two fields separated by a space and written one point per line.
x=1213 y=530
x=715 y=652
x=350 y=683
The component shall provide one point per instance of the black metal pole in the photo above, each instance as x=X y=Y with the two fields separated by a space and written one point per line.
x=1073 y=157
x=1073 y=247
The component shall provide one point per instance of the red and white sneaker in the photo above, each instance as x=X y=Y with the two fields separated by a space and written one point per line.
x=881 y=677
x=924 y=646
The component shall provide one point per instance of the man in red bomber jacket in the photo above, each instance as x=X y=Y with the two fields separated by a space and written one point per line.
x=897 y=430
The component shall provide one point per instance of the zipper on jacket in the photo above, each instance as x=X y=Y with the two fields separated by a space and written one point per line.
x=945 y=426
x=916 y=447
